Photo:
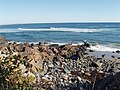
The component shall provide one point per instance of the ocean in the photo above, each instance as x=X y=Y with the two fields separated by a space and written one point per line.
x=103 y=36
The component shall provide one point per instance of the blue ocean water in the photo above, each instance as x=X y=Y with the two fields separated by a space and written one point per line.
x=101 y=33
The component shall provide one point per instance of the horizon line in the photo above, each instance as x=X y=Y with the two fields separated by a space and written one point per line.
x=63 y=22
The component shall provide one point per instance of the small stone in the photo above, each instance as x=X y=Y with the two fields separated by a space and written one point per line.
x=113 y=56
x=118 y=57
x=91 y=50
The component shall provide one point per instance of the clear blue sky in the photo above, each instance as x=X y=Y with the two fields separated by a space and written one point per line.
x=27 y=11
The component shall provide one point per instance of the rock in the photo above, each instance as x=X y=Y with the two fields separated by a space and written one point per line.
x=113 y=52
x=91 y=50
x=54 y=45
x=63 y=67
x=86 y=43
x=113 y=56
x=99 y=64
x=3 y=42
x=111 y=82
x=94 y=64
x=117 y=51
x=118 y=57
x=103 y=55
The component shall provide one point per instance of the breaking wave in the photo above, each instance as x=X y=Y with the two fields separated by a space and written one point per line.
x=82 y=30
x=64 y=29
x=103 y=48
x=8 y=30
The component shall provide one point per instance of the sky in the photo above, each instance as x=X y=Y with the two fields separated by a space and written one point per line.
x=46 y=11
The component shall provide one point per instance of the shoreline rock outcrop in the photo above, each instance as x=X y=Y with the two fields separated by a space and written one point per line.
x=58 y=67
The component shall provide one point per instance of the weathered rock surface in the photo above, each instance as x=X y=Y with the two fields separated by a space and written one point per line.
x=65 y=67
x=111 y=82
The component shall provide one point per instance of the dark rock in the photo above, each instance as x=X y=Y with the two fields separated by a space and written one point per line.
x=99 y=58
x=32 y=45
x=74 y=56
x=117 y=51
x=85 y=53
x=113 y=56
x=111 y=82
x=118 y=57
x=86 y=44
x=103 y=55
x=62 y=46
x=39 y=43
x=91 y=50
x=45 y=43
x=54 y=45
x=113 y=52
x=93 y=64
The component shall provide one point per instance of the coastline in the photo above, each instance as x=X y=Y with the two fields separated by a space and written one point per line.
x=73 y=64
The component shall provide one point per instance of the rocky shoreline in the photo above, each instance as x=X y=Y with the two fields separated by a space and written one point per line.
x=59 y=67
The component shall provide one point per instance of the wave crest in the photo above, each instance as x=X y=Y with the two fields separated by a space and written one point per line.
x=103 y=48
x=63 y=29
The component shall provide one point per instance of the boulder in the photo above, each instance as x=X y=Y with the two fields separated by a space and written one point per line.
x=3 y=42
x=117 y=51
x=111 y=82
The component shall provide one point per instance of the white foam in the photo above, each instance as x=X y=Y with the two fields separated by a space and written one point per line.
x=31 y=29
x=74 y=44
x=56 y=43
x=76 y=29
x=8 y=30
x=55 y=29
x=64 y=29
x=103 y=48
